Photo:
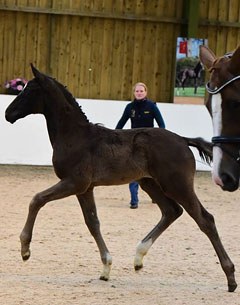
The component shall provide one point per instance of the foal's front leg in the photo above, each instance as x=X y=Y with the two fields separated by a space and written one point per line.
x=60 y=190
x=89 y=210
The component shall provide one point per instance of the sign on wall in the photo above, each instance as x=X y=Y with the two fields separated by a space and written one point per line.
x=189 y=73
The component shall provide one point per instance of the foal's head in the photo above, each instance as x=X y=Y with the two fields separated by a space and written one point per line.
x=36 y=96
x=29 y=100
x=224 y=106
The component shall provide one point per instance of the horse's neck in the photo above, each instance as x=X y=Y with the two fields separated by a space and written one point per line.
x=62 y=120
x=197 y=69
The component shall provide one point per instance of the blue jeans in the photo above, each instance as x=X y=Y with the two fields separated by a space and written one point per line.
x=133 y=187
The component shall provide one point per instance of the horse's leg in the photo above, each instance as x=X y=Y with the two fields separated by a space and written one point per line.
x=60 y=190
x=183 y=84
x=88 y=206
x=195 y=85
x=207 y=225
x=170 y=209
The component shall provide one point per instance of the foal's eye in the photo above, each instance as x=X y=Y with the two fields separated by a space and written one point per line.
x=234 y=104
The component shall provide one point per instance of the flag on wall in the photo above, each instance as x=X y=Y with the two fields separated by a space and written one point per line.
x=183 y=47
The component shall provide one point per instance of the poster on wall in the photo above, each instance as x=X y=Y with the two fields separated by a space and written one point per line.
x=190 y=76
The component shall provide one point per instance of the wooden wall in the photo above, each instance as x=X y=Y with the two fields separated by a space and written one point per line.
x=220 y=24
x=100 y=48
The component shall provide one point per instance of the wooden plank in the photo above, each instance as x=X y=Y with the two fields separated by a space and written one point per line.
x=138 y=43
x=22 y=2
x=118 y=44
x=223 y=8
x=107 y=5
x=106 y=67
x=33 y=3
x=44 y=37
x=73 y=67
x=178 y=9
x=85 y=69
x=98 y=5
x=213 y=10
x=3 y=34
x=159 y=74
x=55 y=45
x=28 y=38
x=222 y=34
x=9 y=3
x=117 y=7
x=212 y=15
x=233 y=11
x=42 y=3
x=203 y=9
x=95 y=59
x=231 y=39
x=64 y=42
x=221 y=42
x=138 y=49
x=57 y=5
x=127 y=61
x=9 y=45
x=147 y=58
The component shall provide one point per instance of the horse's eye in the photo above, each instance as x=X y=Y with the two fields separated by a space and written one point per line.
x=234 y=104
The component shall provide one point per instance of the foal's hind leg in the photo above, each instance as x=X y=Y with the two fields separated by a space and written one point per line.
x=62 y=189
x=206 y=223
x=88 y=206
x=170 y=209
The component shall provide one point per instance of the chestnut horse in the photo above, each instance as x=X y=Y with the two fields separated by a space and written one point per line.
x=86 y=155
x=224 y=105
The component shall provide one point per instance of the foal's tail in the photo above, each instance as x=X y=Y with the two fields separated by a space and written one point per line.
x=204 y=148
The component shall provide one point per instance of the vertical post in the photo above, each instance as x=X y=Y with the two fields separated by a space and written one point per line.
x=191 y=16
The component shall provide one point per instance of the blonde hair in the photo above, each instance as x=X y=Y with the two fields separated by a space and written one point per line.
x=140 y=84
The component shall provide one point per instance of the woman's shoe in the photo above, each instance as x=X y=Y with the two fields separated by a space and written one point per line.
x=133 y=205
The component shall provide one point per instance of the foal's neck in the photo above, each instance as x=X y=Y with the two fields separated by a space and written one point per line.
x=64 y=116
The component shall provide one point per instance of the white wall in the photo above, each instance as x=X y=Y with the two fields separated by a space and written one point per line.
x=26 y=141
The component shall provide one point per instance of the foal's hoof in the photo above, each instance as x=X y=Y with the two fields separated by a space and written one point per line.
x=138 y=267
x=232 y=287
x=103 y=278
x=26 y=255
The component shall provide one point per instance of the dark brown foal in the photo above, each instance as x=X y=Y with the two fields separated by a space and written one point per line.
x=87 y=155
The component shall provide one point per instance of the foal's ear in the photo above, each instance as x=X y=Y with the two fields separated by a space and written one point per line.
x=234 y=67
x=37 y=73
x=207 y=57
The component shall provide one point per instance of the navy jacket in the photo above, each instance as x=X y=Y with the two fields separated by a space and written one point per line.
x=142 y=114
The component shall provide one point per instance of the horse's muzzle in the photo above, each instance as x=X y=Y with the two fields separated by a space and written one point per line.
x=229 y=183
x=10 y=117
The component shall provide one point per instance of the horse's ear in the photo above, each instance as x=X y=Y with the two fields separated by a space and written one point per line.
x=207 y=56
x=37 y=73
x=234 y=67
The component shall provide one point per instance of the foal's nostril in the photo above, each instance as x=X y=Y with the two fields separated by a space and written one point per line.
x=230 y=184
x=9 y=118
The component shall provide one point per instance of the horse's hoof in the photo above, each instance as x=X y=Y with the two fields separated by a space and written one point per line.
x=138 y=267
x=103 y=278
x=232 y=287
x=26 y=255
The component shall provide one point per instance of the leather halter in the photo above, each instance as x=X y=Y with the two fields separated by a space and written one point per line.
x=219 y=140
x=218 y=89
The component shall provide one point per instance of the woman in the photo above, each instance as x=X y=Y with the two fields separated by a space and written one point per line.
x=142 y=112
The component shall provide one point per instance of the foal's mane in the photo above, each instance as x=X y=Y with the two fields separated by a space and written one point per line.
x=69 y=98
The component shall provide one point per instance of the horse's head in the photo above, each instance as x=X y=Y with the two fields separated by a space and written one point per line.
x=30 y=99
x=224 y=106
